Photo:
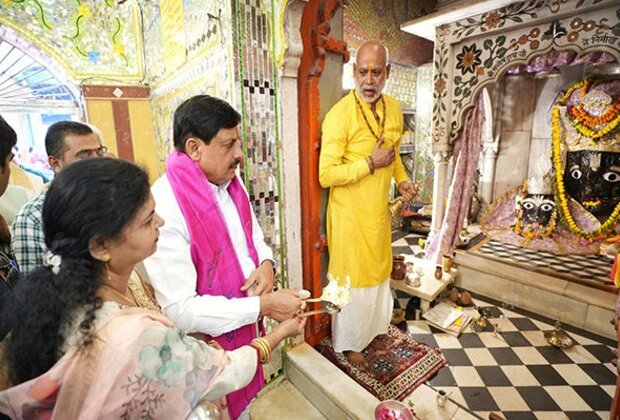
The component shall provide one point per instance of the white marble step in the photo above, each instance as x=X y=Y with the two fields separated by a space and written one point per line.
x=281 y=400
x=575 y=304
x=331 y=391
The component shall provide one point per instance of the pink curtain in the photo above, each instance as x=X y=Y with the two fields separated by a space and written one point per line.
x=466 y=155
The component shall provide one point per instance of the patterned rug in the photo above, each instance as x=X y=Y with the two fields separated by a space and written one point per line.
x=395 y=374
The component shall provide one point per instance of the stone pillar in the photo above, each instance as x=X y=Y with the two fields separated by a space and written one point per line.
x=487 y=174
x=440 y=189
x=291 y=204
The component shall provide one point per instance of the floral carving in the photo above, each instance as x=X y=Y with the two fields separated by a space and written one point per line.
x=492 y=20
x=497 y=18
x=468 y=59
x=506 y=37
x=440 y=85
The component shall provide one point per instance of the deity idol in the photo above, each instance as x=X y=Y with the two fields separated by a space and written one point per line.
x=527 y=216
x=586 y=158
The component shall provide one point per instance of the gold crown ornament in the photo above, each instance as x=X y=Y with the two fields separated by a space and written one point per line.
x=587 y=118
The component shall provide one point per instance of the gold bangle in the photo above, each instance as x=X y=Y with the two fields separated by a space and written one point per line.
x=267 y=348
x=264 y=348
x=260 y=349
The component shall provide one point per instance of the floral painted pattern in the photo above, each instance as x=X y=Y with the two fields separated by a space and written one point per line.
x=163 y=359
x=146 y=369
x=468 y=59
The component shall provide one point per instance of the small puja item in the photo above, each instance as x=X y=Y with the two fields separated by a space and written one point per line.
x=438 y=272
x=399 y=269
x=393 y=410
x=398 y=316
x=558 y=337
x=442 y=398
x=396 y=206
x=446 y=263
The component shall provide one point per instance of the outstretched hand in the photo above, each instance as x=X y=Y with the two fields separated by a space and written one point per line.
x=281 y=305
x=293 y=326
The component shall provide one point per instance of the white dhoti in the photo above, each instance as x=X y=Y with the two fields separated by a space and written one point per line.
x=365 y=317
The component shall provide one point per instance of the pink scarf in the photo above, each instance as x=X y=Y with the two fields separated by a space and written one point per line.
x=218 y=270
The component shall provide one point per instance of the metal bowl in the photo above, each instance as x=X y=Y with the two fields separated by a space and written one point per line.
x=392 y=410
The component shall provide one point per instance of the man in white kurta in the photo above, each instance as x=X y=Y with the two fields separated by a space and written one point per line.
x=171 y=269
x=173 y=275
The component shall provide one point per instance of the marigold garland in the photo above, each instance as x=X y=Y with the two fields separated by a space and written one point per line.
x=605 y=228
x=529 y=232
x=583 y=122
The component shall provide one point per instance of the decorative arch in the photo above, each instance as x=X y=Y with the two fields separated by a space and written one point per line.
x=41 y=62
x=475 y=52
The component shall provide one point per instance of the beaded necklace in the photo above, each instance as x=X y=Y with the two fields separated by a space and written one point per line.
x=359 y=106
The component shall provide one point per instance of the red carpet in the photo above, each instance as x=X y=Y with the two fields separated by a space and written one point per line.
x=394 y=375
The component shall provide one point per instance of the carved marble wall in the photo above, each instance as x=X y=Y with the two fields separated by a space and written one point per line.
x=475 y=52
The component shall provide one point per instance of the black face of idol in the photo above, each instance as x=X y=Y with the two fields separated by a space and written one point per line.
x=593 y=179
x=537 y=209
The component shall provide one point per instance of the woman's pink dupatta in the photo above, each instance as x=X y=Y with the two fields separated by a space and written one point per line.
x=218 y=270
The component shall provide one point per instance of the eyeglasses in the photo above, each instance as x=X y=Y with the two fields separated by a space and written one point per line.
x=98 y=152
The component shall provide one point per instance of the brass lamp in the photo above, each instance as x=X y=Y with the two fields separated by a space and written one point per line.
x=558 y=337
x=396 y=206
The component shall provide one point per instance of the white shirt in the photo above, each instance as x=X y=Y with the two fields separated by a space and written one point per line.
x=173 y=275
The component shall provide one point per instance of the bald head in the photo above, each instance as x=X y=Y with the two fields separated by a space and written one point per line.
x=371 y=70
x=373 y=48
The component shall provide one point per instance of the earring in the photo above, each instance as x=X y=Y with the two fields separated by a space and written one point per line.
x=107 y=271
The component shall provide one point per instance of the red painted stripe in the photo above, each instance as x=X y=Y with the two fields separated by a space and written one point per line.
x=122 y=126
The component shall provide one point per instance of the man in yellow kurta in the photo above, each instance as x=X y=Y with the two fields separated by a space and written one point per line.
x=359 y=157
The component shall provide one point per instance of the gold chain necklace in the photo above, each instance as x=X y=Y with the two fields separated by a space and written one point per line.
x=119 y=294
x=359 y=106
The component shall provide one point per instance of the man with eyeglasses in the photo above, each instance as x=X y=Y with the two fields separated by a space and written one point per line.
x=65 y=142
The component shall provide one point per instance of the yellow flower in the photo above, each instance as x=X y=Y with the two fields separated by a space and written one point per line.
x=84 y=10
x=118 y=48
x=9 y=3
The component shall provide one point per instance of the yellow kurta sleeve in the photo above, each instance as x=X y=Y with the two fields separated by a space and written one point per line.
x=400 y=174
x=333 y=169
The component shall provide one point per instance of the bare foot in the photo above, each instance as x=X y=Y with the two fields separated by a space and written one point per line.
x=356 y=359
x=378 y=345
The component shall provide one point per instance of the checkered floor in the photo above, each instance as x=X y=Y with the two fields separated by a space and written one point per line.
x=514 y=372
x=587 y=268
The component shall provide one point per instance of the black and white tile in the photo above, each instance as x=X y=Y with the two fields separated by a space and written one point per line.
x=514 y=371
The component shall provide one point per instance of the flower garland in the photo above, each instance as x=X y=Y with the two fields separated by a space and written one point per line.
x=530 y=232
x=583 y=122
x=605 y=228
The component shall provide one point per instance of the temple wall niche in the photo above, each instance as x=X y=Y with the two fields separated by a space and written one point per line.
x=523 y=124
x=515 y=119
